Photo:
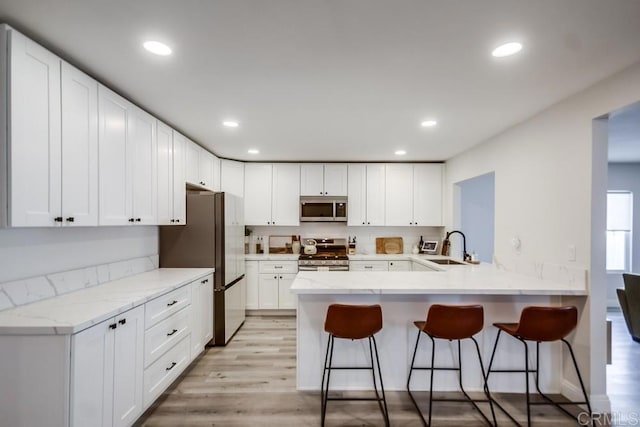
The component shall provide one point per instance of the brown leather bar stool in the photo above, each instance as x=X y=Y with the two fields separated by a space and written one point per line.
x=540 y=324
x=451 y=322
x=353 y=322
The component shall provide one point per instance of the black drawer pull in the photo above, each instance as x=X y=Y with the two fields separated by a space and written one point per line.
x=172 y=365
x=172 y=303
x=172 y=332
x=113 y=326
x=70 y=219
x=122 y=321
x=58 y=219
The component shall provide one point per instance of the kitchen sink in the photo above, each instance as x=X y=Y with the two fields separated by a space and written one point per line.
x=446 y=262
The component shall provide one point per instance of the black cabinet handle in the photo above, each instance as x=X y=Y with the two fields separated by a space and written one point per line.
x=113 y=326
x=172 y=332
x=368 y=223
x=275 y=277
x=122 y=321
x=70 y=219
x=172 y=303
x=173 y=220
x=281 y=277
x=205 y=281
x=325 y=193
x=58 y=219
x=131 y=220
x=138 y=219
x=172 y=365
x=177 y=220
x=362 y=222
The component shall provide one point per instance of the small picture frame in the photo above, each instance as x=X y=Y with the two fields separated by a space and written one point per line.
x=429 y=246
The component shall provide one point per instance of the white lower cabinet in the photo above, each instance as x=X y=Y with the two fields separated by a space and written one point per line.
x=400 y=265
x=165 y=370
x=106 y=371
x=269 y=284
x=368 y=266
x=202 y=314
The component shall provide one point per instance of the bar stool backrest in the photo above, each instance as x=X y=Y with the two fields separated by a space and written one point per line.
x=547 y=323
x=454 y=322
x=353 y=321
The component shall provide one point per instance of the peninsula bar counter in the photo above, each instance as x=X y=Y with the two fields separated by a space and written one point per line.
x=405 y=297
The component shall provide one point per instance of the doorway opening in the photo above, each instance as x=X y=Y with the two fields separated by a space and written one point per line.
x=475 y=214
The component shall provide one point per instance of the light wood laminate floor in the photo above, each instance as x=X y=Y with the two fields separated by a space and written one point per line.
x=252 y=382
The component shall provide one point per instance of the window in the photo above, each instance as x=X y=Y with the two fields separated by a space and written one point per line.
x=619 y=220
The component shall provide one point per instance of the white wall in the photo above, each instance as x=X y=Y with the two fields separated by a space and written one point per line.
x=33 y=252
x=543 y=182
x=625 y=177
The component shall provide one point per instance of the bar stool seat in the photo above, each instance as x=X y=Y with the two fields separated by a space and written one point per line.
x=353 y=322
x=451 y=322
x=540 y=324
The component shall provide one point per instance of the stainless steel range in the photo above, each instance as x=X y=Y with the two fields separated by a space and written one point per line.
x=331 y=255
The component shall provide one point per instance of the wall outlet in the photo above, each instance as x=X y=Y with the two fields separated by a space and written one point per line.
x=571 y=253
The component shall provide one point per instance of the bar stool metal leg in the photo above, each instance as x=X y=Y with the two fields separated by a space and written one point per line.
x=381 y=402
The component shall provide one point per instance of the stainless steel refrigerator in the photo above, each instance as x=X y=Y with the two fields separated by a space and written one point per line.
x=212 y=237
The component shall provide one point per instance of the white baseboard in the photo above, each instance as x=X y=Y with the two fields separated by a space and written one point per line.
x=600 y=403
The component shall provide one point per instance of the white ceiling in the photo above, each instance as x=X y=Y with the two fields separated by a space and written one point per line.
x=337 y=79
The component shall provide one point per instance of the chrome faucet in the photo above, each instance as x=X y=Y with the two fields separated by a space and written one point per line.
x=465 y=255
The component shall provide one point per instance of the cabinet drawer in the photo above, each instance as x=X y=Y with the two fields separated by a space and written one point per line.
x=368 y=265
x=161 y=337
x=278 y=267
x=400 y=265
x=164 y=306
x=161 y=374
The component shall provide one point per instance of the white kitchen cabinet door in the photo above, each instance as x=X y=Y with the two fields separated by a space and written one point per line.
x=357 y=194
x=312 y=179
x=232 y=177
x=286 y=298
x=179 y=181
x=165 y=174
x=375 y=194
x=268 y=292
x=142 y=131
x=206 y=293
x=192 y=160
x=257 y=193
x=399 y=195
x=92 y=360
x=335 y=179
x=285 y=200
x=79 y=147
x=115 y=189
x=34 y=134
x=400 y=265
x=368 y=266
x=253 y=302
x=206 y=160
x=427 y=194
x=128 y=364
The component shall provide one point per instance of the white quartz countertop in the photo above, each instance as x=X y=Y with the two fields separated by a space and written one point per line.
x=271 y=257
x=75 y=311
x=468 y=279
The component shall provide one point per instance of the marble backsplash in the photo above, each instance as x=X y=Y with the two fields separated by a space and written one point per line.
x=25 y=291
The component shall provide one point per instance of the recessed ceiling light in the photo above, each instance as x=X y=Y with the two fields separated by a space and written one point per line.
x=428 y=123
x=507 y=49
x=157 y=47
x=400 y=153
x=253 y=151
x=230 y=124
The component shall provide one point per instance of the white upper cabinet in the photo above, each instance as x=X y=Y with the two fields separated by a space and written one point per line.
x=232 y=177
x=171 y=182
x=79 y=148
x=257 y=193
x=34 y=137
x=427 y=194
x=323 y=179
x=202 y=167
x=128 y=162
x=272 y=194
x=366 y=194
x=285 y=200
x=142 y=128
x=399 y=194
x=421 y=203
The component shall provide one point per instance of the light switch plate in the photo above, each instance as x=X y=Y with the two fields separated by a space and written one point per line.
x=571 y=253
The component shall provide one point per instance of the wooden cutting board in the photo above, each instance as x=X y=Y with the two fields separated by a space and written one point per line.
x=389 y=245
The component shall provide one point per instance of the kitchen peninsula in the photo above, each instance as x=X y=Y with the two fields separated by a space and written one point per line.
x=405 y=298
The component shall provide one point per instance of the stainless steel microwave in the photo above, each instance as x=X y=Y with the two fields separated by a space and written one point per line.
x=323 y=209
